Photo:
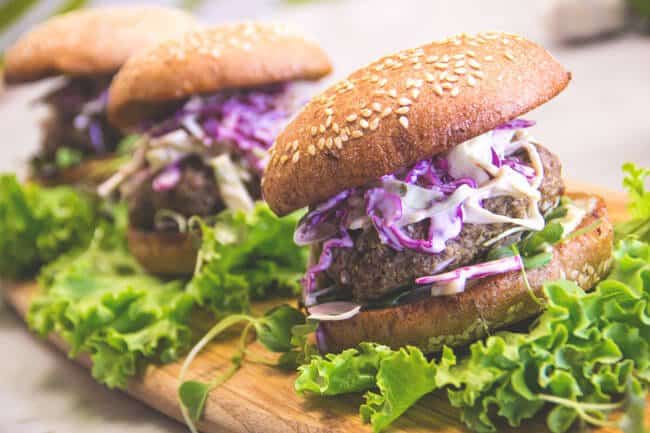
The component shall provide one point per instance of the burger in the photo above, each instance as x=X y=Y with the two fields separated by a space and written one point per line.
x=85 y=49
x=434 y=215
x=208 y=106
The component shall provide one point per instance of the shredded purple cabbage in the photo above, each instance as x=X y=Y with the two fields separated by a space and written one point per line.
x=246 y=119
x=81 y=103
x=329 y=222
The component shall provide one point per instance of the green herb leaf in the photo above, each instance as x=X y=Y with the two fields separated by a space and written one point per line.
x=274 y=329
x=639 y=206
x=549 y=235
x=193 y=395
x=67 y=157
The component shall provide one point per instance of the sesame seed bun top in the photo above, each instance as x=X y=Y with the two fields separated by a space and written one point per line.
x=91 y=42
x=403 y=108
x=228 y=56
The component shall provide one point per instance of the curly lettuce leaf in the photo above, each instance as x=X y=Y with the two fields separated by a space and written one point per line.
x=37 y=225
x=405 y=366
x=639 y=207
x=246 y=256
x=101 y=302
x=352 y=370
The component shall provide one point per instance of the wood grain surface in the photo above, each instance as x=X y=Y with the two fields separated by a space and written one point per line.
x=261 y=399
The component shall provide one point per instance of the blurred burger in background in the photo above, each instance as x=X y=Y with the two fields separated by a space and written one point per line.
x=85 y=48
x=208 y=106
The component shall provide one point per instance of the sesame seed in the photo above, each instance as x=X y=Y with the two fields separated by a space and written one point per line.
x=509 y=56
x=363 y=123
x=454 y=92
x=431 y=59
x=374 y=124
x=417 y=66
x=383 y=82
x=488 y=58
x=357 y=133
x=328 y=122
x=329 y=142
x=392 y=93
x=338 y=142
x=344 y=137
x=296 y=157
x=379 y=67
x=376 y=106
x=445 y=58
x=471 y=53
x=478 y=74
x=404 y=101
x=471 y=80
x=386 y=112
x=366 y=112
x=474 y=64
x=351 y=118
x=418 y=83
x=329 y=111
x=441 y=66
x=311 y=149
x=321 y=142
x=443 y=76
x=336 y=128
x=460 y=71
x=409 y=82
x=459 y=56
x=321 y=128
x=447 y=86
x=404 y=122
x=374 y=79
x=314 y=131
x=283 y=159
x=415 y=93
x=429 y=77
x=402 y=110
x=459 y=63
x=437 y=88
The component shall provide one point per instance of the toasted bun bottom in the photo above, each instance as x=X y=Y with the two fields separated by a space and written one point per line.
x=163 y=253
x=88 y=172
x=490 y=304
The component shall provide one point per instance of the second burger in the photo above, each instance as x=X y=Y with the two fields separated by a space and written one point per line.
x=209 y=106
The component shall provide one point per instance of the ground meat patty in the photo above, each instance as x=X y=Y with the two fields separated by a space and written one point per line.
x=195 y=194
x=371 y=269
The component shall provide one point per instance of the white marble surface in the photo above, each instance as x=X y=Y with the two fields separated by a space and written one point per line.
x=600 y=121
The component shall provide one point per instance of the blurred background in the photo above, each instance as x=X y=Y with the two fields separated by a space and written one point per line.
x=600 y=121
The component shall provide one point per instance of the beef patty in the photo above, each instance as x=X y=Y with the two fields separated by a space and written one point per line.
x=195 y=194
x=371 y=269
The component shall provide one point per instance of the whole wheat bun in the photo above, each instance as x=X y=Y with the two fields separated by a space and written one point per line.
x=91 y=42
x=164 y=253
x=403 y=108
x=490 y=304
x=228 y=56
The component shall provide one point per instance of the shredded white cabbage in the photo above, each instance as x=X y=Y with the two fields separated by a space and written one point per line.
x=232 y=188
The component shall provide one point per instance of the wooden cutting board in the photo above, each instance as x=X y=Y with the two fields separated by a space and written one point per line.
x=261 y=399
